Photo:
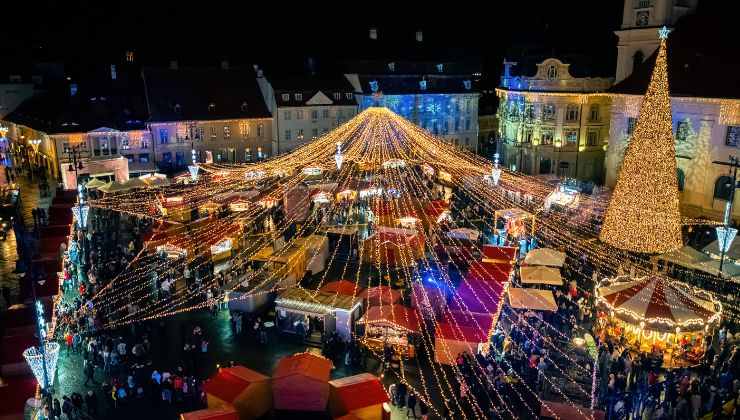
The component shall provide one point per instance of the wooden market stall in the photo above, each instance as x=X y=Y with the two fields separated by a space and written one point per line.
x=246 y=391
x=540 y=274
x=301 y=311
x=515 y=221
x=533 y=299
x=545 y=256
x=300 y=383
x=360 y=395
x=343 y=241
x=659 y=315
x=390 y=325
x=317 y=250
x=462 y=332
x=380 y=295
x=342 y=287
x=211 y=414
x=395 y=247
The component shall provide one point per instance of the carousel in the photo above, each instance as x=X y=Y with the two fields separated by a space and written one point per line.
x=659 y=316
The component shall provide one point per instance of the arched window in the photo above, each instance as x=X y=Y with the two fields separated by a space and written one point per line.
x=723 y=188
x=681 y=178
x=552 y=72
x=637 y=59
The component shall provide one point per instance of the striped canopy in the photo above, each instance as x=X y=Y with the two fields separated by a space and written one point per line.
x=658 y=300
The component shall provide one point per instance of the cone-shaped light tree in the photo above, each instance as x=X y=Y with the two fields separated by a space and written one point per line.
x=643 y=214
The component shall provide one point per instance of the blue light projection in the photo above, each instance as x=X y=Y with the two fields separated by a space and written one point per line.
x=440 y=114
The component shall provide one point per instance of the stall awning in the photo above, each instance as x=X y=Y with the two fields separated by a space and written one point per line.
x=396 y=316
x=462 y=326
x=545 y=256
x=540 y=274
x=342 y=287
x=302 y=300
x=538 y=300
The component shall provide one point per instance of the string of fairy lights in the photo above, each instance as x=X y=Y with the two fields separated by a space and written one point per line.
x=394 y=157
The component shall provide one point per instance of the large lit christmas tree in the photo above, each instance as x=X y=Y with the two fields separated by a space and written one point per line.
x=643 y=215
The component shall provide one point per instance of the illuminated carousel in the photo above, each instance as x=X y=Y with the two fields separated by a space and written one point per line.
x=657 y=315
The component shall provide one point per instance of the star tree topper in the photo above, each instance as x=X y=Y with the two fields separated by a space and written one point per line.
x=663 y=33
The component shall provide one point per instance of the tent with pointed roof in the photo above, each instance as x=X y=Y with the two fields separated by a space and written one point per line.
x=360 y=395
x=246 y=391
x=300 y=383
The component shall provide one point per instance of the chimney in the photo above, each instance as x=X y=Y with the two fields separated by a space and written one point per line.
x=419 y=36
x=373 y=33
x=224 y=64
x=173 y=65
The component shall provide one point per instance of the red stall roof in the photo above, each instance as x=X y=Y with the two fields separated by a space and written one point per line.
x=304 y=364
x=499 y=254
x=465 y=326
x=404 y=317
x=342 y=287
x=228 y=383
x=478 y=296
x=490 y=272
x=381 y=295
x=359 y=391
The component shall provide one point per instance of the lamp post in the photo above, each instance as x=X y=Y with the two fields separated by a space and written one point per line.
x=74 y=156
x=35 y=143
x=726 y=234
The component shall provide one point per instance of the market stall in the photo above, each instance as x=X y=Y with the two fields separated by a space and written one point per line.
x=301 y=383
x=393 y=247
x=239 y=388
x=462 y=332
x=545 y=256
x=464 y=234
x=540 y=274
x=515 y=222
x=478 y=296
x=342 y=287
x=533 y=299
x=300 y=311
x=317 y=251
x=659 y=315
x=343 y=241
x=380 y=295
x=360 y=395
x=390 y=325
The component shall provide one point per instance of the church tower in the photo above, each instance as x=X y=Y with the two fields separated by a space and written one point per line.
x=637 y=35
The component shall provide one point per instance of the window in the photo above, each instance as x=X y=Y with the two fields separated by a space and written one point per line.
x=631 y=121
x=180 y=159
x=527 y=136
x=314 y=115
x=348 y=95
x=247 y=154
x=548 y=112
x=287 y=134
x=259 y=153
x=593 y=138
x=211 y=107
x=552 y=72
x=286 y=97
x=227 y=132
x=125 y=143
x=467 y=106
x=287 y=115
x=546 y=137
x=144 y=158
x=529 y=111
x=298 y=96
x=244 y=106
x=637 y=59
x=167 y=157
x=201 y=133
x=545 y=166
x=571 y=136
x=593 y=113
x=733 y=135
x=643 y=4
x=300 y=134
x=164 y=136
x=325 y=114
x=129 y=158
x=467 y=124
x=340 y=114
x=723 y=188
x=213 y=132
x=337 y=96
x=243 y=128
x=181 y=133
x=259 y=130
x=683 y=130
x=315 y=132
x=457 y=125
x=571 y=113
x=681 y=177
x=642 y=18
x=299 y=114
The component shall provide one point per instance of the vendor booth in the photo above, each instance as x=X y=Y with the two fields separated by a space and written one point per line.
x=317 y=250
x=380 y=295
x=464 y=234
x=239 y=388
x=545 y=256
x=515 y=222
x=478 y=296
x=659 y=315
x=300 y=311
x=540 y=274
x=394 y=247
x=533 y=299
x=390 y=325
x=301 y=383
x=343 y=241
x=359 y=395
x=342 y=287
x=562 y=198
x=462 y=332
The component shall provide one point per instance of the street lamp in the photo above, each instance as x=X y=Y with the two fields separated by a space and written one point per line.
x=74 y=155
x=35 y=143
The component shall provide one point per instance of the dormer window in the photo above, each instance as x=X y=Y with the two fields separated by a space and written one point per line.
x=392 y=66
x=244 y=106
x=298 y=96
x=337 y=96
x=211 y=107
x=552 y=72
x=177 y=108
x=286 y=97
x=423 y=84
x=348 y=95
x=440 y=68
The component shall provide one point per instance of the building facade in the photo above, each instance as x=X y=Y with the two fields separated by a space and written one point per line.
x=549 y=123
x=305 y=107
x=637 y=39
x=438 y=97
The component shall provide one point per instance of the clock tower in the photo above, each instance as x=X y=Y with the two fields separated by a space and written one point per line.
x=638 y=34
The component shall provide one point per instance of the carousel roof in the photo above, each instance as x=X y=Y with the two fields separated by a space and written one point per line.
x=657 y=299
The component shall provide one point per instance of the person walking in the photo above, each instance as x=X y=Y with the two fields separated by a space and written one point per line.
x=89 y=372
x=411 y=404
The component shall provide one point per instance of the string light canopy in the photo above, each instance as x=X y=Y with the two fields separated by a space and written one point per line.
x=643 y=214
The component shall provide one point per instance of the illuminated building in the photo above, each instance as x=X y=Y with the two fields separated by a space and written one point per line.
x=439 y=97
x=220 y=113
x=549 y=124
x=640 y=19
x=705 y=101
x=306 y=107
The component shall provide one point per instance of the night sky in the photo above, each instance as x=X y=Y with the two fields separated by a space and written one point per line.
x=84 y=33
